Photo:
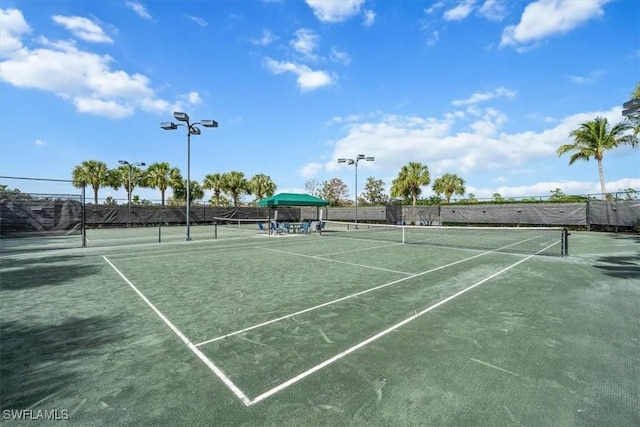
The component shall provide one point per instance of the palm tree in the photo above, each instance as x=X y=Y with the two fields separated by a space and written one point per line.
x=449 y=184
x=121 y=178
x=261 y=186
x=634 y=120
x=409 y=180
x=215 y=182
x=159 y=175
x=593 y=138
x=411 y=177
x=235 y=184
x=93 y=173
x=179 y=187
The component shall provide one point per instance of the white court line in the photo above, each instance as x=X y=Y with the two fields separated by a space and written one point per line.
x=379 y=335
x=306 y=310
x=334 y=260
x=359 y=250
x=243 y=397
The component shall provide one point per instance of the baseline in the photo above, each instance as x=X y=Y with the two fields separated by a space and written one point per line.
x=217 y=371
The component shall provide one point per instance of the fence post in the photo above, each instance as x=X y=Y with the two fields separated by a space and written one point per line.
x=82 y=220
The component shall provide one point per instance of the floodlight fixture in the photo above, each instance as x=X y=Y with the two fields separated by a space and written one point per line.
x=631 y=108
x=192 y=129
x=183 y=117
x=355 y=162
x=209 y=123
x=123 y=162
x=168 y=126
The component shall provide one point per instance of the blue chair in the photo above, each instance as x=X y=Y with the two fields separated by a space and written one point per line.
x=286 y=227
x=262 y=228
x=304 y=227
x=276 y=229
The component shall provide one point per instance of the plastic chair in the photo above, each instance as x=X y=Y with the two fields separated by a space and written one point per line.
x=277 y=229
x=304 y=227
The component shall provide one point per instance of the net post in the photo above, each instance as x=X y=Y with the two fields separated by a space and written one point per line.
x=215 y=230
x=565 y=242
x=403 y=237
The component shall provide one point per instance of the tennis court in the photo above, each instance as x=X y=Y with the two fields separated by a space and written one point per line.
x=351 y=327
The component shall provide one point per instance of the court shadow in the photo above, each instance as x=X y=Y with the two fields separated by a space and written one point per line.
x=41 y=361
x=13 y=263
x=36 y=275
x=625 y=267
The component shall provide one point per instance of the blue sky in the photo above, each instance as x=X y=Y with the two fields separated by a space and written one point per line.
x=486 y=89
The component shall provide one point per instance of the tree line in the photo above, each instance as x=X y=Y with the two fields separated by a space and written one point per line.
x=228 y=188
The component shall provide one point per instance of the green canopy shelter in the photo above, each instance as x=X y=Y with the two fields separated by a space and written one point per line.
x=292 y=199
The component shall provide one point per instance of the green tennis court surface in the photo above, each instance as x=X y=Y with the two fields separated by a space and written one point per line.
x=300 y=329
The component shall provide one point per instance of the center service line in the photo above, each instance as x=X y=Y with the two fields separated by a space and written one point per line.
x=380 y=335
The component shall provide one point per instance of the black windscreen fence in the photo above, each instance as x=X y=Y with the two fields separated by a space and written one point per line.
x=40 y=214
x=23 y=214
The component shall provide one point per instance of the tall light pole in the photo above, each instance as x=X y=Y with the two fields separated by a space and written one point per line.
x=355 y=162
x=191 y=130
x=129 y=187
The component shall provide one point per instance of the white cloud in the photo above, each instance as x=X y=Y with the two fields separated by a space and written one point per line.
x=493 y=10
x=437 y=142
x=308 y=79
x=83 y=28
x=545 y=18
x=100 y=107
x=201 y=22
x=310 y=170
x=340 y=56
x=305 y=42
x=84 y=78
x=39 y=143
x=459 y=12
x=485 y=96
x=192 y=98
x=590 y=78
x=335 y=11
x=139 y=9
x=369 y=18
x=435 y=6
x=12 y=27
x=266 y=39
x=433 y=39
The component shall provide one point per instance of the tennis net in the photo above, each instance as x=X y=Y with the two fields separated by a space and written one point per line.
x=527 y=240
x=241 y=223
